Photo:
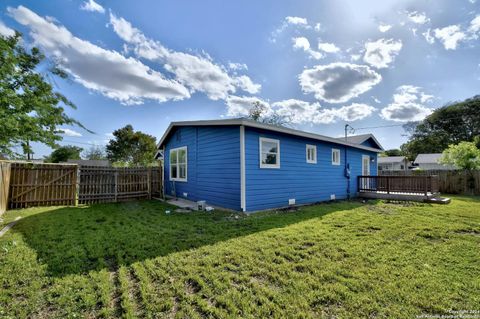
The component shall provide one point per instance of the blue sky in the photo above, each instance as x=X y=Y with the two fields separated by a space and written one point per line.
x=321 y=63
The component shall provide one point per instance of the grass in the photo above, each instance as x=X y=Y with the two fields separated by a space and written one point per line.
x=343 y=260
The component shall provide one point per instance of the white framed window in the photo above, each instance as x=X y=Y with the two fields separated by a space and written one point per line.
x=269 y=153
x=178 y=164
x=311 y=151
x=335 y=156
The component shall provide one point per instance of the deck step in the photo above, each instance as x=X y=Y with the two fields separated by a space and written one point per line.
x=438 y=200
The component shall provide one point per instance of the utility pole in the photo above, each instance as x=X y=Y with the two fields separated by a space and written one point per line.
x=346 y=130
x=347 y=166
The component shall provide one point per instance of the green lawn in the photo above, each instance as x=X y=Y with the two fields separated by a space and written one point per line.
x=342 y=260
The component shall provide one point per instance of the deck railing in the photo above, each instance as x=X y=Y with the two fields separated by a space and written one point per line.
x=399 y=184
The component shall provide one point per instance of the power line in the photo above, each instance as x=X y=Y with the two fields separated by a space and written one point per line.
x=381 y=126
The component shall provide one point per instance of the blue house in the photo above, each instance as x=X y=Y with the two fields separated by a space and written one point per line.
x=248 y=166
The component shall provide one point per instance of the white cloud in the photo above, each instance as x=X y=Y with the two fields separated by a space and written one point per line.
x=354 y=112
x=6 y=31
x=241 y=105
x=381 y=52
x=297 y=111
x=407 y=105
x=318 y=27
x=237 y=66
x=108 y=72
x=376 y=100
x=384 y=27
x=246 y=84
x=338 y=82
x=418 y=17
x=475 y=25
x=302 y=43
x=355 y=57
x=450 y=36
x=429 y=37
x=91 y=5
x=328 y=47
x=198 y=73
x=297 y=21
x=69 y=132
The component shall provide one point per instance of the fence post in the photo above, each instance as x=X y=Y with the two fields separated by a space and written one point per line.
x=149 y=183
x=388 y=185
x=116 y=184
x=426 y=185
x=77 y=188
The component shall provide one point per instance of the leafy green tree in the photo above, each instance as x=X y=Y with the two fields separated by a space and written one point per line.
x=258 y=113
x=392 y=152
x=30 y=109
x=95 y=153
x=64 y=153
x=131 y=148
x=464 y=155
x=450 y=124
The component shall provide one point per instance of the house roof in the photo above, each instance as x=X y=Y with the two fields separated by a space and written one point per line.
x=428 y=158
x=359 y=139
x=269 y=127
x=391 y=159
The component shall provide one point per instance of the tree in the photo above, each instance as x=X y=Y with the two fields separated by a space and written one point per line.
x=95 y=153
x=258 y=113
x=392 y=152
x=464 y=155
x=30 y=109
x=450 y=124
x=131 y=148
x=64 y=153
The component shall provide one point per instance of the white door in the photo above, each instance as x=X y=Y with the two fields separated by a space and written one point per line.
x=365 y=170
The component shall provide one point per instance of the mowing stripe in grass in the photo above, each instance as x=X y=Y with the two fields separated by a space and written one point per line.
x=10 y=225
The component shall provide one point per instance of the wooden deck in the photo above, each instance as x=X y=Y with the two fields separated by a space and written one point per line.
x=406 y=188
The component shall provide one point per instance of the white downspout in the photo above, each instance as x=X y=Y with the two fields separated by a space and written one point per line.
x=243 y=199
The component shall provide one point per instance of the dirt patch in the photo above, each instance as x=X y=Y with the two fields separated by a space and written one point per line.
x=192 y=286
x=468 y=231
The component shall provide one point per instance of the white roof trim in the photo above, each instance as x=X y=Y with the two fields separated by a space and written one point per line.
x=269 y=127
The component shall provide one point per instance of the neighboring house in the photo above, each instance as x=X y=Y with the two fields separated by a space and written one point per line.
x=431 y=162
x=246 y=165
x=81 y=162
x=393 y=163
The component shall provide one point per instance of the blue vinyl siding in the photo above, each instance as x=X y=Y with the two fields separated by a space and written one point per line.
x=213 y=164
x=305 y=182
x=213 y=154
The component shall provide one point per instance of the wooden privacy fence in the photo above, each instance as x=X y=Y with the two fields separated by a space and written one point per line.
x=4 y=185
x=42 y=185
x=27 y=184
x=109 y=184
x=449 y=181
